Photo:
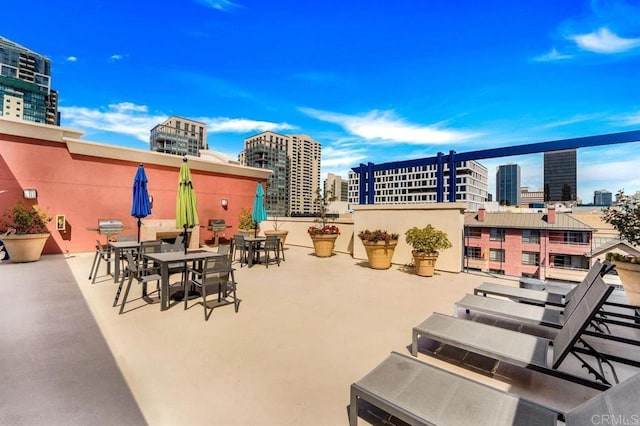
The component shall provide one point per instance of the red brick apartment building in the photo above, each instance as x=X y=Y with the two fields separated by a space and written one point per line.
x=549 y=245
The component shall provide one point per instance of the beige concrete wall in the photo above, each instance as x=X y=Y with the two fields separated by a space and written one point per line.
x=394 y=218
x=448 y=217
x=298 y=236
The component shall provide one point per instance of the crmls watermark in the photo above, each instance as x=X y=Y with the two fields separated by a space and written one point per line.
x=616 y=419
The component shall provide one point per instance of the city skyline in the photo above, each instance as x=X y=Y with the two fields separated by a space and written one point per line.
x=380 y=83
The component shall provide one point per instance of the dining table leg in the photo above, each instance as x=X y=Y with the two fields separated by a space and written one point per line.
x=164 y=286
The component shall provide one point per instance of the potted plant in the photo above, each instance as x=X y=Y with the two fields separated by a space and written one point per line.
x=380 y=246
x=277 y=230
x=24 y=232
x=324 y=235
x=625 y=218
x=247 y=226
x=426 y=243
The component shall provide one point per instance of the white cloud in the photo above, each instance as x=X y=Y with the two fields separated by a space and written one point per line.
x=604 y=41
x=580 y=118
x=632 y=119
x=71 y=59
x=385 y=127
x=222 y=5
x=553 y=55
x=242 y=125
x=134 y=120
x=126 y=118
x=116 y=57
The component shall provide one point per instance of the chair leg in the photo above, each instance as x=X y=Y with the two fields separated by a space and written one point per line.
x=115 y=301
x=95 y=273
x=93 y=265
x=126 y=293
x=204 y=301
x=282 y=250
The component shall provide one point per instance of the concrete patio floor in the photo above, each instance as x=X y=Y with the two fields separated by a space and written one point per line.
x=305 y=331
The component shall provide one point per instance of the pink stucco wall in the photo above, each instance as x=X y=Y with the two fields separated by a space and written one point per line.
x=87 y=188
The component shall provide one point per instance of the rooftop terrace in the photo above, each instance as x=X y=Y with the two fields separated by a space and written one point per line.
x=305 y=331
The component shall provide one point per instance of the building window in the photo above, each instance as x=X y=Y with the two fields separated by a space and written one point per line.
x=531 y=236
x=474 y=232
x=496 y=234
x=496 y=255
x=530 y=258
x=473 y=252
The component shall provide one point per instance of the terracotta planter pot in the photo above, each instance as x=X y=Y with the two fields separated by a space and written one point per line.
x=425 y=263
x=629 y=274
x=380 y=253
x=282 y=233
x=323 y=244
x=249 y=232
x=25 y=247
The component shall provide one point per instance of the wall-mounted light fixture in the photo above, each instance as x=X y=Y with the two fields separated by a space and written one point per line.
x=30 y=194
x=224 y=203
x=150 y=199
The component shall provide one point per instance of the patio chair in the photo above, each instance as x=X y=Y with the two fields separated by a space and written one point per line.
x=135 y=270
x=103 y=254
x=271 y=245
x=216 y=277
x=422 y=394
x=240 y=245
x=525 y=350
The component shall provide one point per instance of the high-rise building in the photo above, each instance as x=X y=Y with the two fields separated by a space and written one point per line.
x=25 y=85
x=508 y=185
x=295 y=161
x=560 y=175
x=602 y=198
x=179 y=136
x=338 y=187
x=419 y=184
x=531 y=198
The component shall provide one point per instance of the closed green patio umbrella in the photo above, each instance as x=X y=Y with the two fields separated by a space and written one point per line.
x=186 y=204
x=259 y=213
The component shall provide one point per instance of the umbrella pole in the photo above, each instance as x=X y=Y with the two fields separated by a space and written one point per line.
x=139 y=225
x=185 y=239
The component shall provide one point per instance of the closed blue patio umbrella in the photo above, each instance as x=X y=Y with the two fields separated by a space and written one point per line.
x=186 y=205
x=259 y=213
x=141 y=206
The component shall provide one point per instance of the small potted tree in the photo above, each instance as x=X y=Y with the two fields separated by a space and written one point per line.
x=324 y=235
x=23 y=231
x=246 y=225
x=625 y=218
x=426 y=243
x=277 y=230
x=380 y=246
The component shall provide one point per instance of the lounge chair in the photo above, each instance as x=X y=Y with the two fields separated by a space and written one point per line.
x=537 y=297
x=422 y=394
x=550 y=317
x=526 y=350
x=545 y=317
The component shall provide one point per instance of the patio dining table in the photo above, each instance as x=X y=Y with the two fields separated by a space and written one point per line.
x=164 y=259
x=118 y=248
x=254 y=248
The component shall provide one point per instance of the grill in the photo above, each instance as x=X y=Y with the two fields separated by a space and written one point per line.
x=110 y=226
x=216 y=226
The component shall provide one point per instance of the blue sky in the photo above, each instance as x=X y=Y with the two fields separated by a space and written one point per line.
x=372 y=80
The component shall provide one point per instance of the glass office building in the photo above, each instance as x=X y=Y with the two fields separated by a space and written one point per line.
x=25 y=85
x=560 y=175
x=295 y=162
x=508 y=185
